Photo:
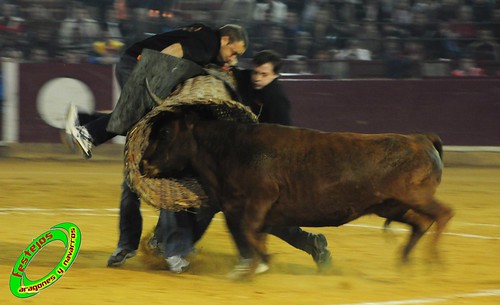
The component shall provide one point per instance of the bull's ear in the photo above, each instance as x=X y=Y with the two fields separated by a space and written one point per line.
x=191 y=118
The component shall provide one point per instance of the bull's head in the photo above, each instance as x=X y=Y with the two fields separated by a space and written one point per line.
x=170 y=146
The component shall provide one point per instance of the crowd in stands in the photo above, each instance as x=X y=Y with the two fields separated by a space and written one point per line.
x=398 y=32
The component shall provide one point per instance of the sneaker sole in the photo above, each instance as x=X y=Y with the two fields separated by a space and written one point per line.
x=67 y=140
x=182 y=268
x=119 y=263
x=86 y=154
x=72 y=133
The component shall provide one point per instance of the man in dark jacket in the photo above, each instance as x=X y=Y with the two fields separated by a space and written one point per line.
x=197 y=43
x=261 y=90
x=188 y=49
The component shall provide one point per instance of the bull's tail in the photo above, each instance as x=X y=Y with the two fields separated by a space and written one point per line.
x=436 y=141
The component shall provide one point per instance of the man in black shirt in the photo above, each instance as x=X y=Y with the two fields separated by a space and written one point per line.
x=197 y=43
x=261 y=90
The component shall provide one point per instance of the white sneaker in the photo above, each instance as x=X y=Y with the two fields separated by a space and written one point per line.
x=261 y=268
x=177 y=264
x=243 y=268
x=78 y=134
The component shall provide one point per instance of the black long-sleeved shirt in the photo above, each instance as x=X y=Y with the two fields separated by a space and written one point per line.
x=270 y=104
x=200 y=43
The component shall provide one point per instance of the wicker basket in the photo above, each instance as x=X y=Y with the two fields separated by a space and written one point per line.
x=208 y=96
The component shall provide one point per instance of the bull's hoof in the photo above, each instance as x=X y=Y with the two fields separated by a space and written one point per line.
x=244 y=270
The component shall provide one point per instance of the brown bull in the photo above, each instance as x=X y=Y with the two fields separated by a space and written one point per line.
x=271 y=175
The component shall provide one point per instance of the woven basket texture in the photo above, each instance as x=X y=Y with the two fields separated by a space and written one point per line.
x=208 y=96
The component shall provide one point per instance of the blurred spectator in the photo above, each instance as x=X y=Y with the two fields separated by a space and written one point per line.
x=485 y=48
x=402 y=15
x=351 y=11
x=237 y=11
x=467 y=67
x=112 y=27
x=78 y=31
x=324 y=34
x=370 y=39
x=38 y=55
x=414 y=50
x=309 y=12
x=384 y=12
x=397 y=63
x=261 y=32
x=40 y=28
x=297 y=64
x=370 y=9
x=11 y=28
x=494 y=24
x=277 y=41
x=444 y=43
x=161 y=8
x=353 y=52
x=272 y=10
x=75 y=57
x=295 y=5
x=448 y=10
x=291 y=28
x=304 y=45
x=107 y=51
x=97 y=10
x=426 y=7
x=425 y=31
x=482 y=10
x=464 y=26
x=10 y=20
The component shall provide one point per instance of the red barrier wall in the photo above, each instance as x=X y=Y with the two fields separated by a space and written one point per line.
x=33 y=77
x=461 y=111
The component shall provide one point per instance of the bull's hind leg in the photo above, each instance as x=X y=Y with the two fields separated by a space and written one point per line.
x=443 y=215
x=433 y=209
x=419 y=225
x=394 y=210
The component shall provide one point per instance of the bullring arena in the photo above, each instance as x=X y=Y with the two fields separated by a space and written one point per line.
x=43 y=186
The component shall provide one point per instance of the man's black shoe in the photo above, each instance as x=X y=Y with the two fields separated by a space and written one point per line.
x=321 y=255
x=119 y=257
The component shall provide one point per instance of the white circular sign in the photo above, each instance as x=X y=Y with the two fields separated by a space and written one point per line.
x=56 y=95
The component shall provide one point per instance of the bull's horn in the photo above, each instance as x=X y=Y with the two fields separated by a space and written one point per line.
x=155 y=97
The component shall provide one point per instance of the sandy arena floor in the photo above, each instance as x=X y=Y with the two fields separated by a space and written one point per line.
x=37 y=194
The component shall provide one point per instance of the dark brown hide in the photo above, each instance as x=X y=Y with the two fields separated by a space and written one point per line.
x=266 y=174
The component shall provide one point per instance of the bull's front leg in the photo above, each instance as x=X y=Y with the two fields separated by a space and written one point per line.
x=245 y=266
x=245 y=226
